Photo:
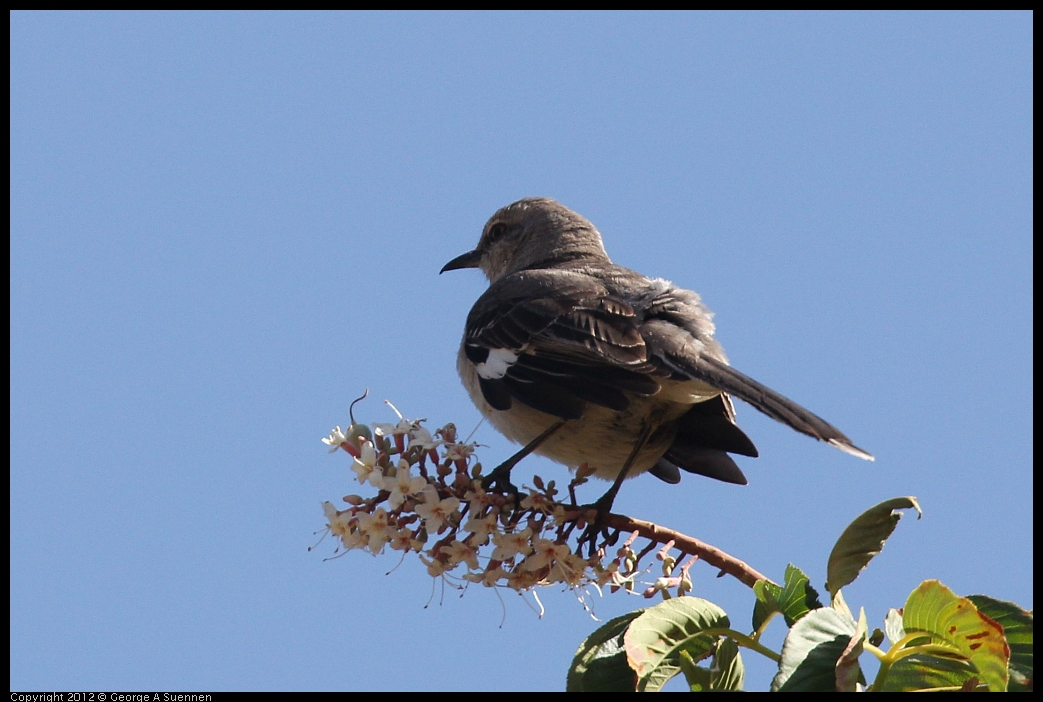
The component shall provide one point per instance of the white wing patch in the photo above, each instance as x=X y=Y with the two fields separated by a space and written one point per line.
x=497 y=363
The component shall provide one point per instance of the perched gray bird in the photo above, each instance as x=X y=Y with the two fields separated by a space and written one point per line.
x=584 y=361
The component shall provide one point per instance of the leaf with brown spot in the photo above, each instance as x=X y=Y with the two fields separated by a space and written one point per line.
x=955 y=622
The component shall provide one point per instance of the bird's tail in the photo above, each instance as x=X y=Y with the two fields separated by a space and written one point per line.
x=675 y=352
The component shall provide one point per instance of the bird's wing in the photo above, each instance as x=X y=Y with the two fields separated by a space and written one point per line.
x=556 y=340
x=673 y=346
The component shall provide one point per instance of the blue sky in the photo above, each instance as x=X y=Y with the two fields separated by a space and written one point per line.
x=225 y=226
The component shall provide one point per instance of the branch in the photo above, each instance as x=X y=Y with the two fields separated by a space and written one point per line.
x=688 y=545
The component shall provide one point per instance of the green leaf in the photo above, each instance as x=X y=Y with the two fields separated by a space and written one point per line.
x=863 y=539
x=793 y=599
x=729 y=671
x=1017 y=627
x=655 y=639
x=600 y=664
x=926 y=672
x=812 y=650
x=699 y=679
x=955 y=622
x=725 y=675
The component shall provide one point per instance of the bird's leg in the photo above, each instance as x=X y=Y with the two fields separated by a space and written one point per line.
x=500 y=477
x=604 y=503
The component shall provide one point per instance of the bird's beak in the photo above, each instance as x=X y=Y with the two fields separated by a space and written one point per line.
x=471 y=259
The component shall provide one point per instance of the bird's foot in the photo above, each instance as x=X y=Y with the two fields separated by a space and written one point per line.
x=499 y=481
x=595 y=526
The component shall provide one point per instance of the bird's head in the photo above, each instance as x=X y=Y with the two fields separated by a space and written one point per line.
x=536 y=232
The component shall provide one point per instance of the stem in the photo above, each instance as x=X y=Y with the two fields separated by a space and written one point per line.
x=746 y=641
x=764 y=626
x=900 y=651
x=726 y=563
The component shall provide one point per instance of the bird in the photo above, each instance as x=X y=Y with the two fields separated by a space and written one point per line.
x=587 y=362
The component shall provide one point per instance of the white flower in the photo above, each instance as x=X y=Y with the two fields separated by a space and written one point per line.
x=607 y=575
x=418 y=436
x=537 y=501
x=490 y=577
x=403 y=541
x=402 y=485
x=611 y=577
x=459 y=452
x=403 y=428
x=522 y=580
x=436 y=512
x=557 y=517
x=436 y=566
x=335 y=439
x=510 y=545
x=353 y=540
x=545 y=553
x=460 y=552
x=480 y=527
x=569 y=569
x=376 y=530
x=340 y=525
x=662 y=585
x=366 y=466
x=477 y=498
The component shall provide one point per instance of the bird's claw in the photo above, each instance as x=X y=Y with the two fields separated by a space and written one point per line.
x=594 y=527
x=499 y=481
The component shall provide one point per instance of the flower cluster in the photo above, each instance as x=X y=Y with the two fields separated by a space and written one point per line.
x=431 y=501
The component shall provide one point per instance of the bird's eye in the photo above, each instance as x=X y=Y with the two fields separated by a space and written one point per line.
x=496 y=231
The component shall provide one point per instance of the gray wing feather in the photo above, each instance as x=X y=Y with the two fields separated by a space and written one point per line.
x=678 y=352
x=575 y=344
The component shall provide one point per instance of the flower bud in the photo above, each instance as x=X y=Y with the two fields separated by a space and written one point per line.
x=355 y=431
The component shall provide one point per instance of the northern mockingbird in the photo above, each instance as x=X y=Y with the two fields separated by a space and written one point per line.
x=584 y=361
